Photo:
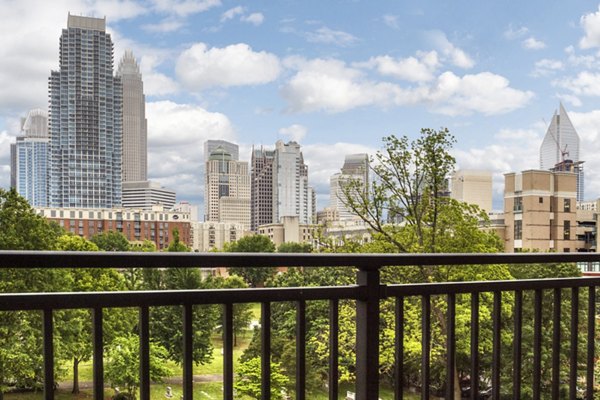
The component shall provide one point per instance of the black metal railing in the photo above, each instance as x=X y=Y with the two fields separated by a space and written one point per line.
x=368 y=293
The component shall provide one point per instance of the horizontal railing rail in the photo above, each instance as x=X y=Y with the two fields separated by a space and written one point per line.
x=368 y=293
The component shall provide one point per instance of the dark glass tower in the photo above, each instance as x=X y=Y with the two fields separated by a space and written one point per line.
x=85 y=119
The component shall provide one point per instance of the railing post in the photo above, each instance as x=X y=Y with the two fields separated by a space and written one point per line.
x=367 y=335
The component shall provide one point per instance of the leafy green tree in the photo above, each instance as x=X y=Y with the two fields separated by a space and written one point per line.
x=176 y=244
x=123 y=359
x=249 y=380
x=255 y=276
x=111 y=241
x=292 y=247
x=20 y=332
x=21 y=228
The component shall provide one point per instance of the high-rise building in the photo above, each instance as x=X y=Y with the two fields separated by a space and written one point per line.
x=355 y=171
x=135 y=131
x=540 y=211
x=226 y=189
x=85 y=119
x=29 y=159
x=291 y=194
x=261 y=191
x=473 y=187
x=561 y=144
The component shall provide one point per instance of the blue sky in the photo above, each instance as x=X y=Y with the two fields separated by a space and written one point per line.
x=334 y=75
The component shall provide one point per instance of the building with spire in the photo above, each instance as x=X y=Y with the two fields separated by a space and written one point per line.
x=135 y=131
x=85 y=119
x=560 y=149
x=29 y=159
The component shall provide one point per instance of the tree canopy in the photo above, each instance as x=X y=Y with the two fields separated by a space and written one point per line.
x=254 y=276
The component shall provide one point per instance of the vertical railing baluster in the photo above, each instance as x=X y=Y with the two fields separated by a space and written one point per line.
x=450 y=346
x=300 y=350
x=425 y=345
x=517 y=344
x=48 y=332
x=399 y=347
x=367 y=335
x=537 y=344
x=556 y=344
x=188 y=352
x=591 y=341
x=497 y=343
x=475 y=345
x=574 y=340
x=228 y=351
x=98 y=362
x=265 y=351
x=144 y=353
x=333 y=348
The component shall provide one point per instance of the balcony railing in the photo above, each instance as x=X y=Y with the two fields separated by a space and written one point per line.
x=368 y=294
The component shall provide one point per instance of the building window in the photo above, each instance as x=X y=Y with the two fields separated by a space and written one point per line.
x=566 y=250
x=567 y=205
x=541 y=200
x=567 y=231
x=518 y=207
x=518 y=230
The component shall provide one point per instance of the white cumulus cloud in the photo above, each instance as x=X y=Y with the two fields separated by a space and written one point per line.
x=332 y=86
x=415 y=69
x=591 y=27
x=200 y=67
x=532 y=43
x=546 y=67
x=584 y=84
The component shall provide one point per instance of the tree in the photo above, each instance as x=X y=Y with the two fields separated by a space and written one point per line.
x=249 y=380
x=255 y=276
x=123 y=359
x=292 y=247
x=111 y=241
x=20 y=332
x=176 y=244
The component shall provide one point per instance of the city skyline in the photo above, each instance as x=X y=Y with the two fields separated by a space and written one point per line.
x=335 y=81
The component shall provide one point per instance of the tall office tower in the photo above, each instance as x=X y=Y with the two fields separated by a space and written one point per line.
x=261 y=191
x=29 y=159
x=473 y=187
x=561 y=144
x=86 y=116
x=355 y=169
x=231 y=148
x=226 y=189
x=290 y=183
x=135 y=131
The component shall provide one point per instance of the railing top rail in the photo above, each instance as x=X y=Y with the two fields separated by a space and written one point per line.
x=62 y=259
x=77 y=300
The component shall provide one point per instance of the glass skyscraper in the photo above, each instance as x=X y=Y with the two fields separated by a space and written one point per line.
x=30 y=159
x=560 y=149
x=85 y=119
